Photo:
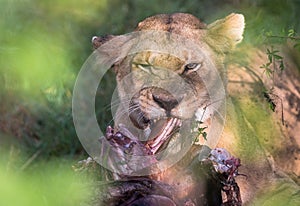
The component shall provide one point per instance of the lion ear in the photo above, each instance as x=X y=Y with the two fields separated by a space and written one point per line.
x=97 y=41
x=222 y=35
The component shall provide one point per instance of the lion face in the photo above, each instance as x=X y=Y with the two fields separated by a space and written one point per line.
x=160 y=91
x=169 y=91
x=167 y=87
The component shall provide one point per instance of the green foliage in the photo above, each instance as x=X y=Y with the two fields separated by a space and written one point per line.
x=42 y=48
x=285 y=194
x=275 y=65
x=51 y=183
x=202 y=131
x=274 y=58
x=249 y=121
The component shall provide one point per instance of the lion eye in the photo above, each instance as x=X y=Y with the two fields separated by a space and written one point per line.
x=192 y=67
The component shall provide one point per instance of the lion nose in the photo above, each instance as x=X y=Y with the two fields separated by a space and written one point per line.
x=166 y=100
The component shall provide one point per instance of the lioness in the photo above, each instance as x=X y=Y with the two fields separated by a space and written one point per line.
x=161 y=93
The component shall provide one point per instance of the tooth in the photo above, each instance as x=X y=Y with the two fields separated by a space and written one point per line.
x=170 y=125
x=162 y=135
x=156 y=141
x=159 y=138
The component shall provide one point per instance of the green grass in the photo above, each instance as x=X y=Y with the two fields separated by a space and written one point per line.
x=46 y=183
x=44 y=187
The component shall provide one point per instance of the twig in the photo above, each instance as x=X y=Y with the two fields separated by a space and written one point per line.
x=12 y=156
x=284 y=37
x=30 y=160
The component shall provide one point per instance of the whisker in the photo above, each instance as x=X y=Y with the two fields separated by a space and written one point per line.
x=110 y=122
x=214 y=109
x=117 y=102
x=131 y=109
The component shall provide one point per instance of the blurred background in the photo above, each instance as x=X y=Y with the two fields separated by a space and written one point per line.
x=43 y=45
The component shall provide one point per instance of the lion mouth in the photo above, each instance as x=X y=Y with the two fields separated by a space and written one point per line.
x=157 y=132
x=162 y=131
x=158 y=127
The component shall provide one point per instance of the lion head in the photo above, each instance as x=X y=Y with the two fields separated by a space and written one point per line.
x=172 y=73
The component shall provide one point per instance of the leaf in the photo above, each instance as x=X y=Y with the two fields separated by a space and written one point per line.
x=201 y=129
x=269 y=53
x=270 y=58
x=264 y=66
x=277 y=56
x=272 y=106
x=204 y=134
x=269 y=33
x=291 y=33
x=269 y=72
x=281 y=66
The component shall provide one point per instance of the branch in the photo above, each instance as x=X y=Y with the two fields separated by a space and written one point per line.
x=284 y=37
